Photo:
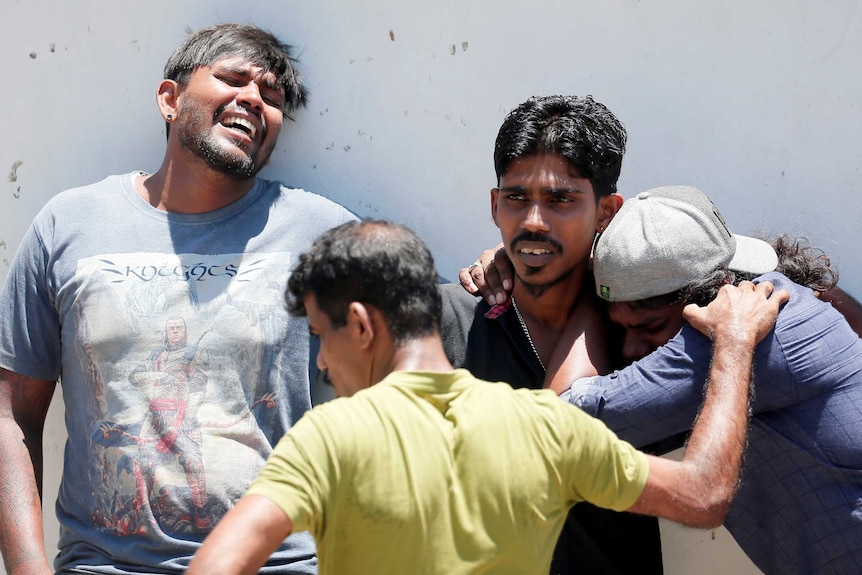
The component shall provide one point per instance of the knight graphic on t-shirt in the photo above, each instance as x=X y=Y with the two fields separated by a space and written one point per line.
x=178 y=388
x=170 y=432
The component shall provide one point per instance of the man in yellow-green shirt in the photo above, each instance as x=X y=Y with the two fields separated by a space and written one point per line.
x=420 y=468
x=447 y=468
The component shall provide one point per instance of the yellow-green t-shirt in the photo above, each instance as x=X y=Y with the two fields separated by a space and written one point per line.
x=442 y=473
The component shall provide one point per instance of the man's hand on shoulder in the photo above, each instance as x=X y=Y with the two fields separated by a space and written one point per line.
x=747 y=311
x=489 y=276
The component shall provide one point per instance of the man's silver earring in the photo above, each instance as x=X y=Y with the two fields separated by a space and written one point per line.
x=170 y=117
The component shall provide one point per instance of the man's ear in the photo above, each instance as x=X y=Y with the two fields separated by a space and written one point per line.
x=167 y=99
x=608 y=207
x=360 y=320
x=495 y=196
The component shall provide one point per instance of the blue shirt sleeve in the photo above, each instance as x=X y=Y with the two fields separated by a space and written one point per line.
x=655 y=397
x=812 y=351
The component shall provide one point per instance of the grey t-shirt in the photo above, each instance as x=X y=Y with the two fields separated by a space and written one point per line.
x=179 y=364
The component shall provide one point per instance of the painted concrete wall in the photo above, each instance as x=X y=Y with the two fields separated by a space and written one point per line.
x=757 y=103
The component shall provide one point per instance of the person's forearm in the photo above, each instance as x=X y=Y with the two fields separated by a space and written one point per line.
x=741 y=317
x=717 y=443
x=243 y=539
x=21 y=533
x=24 y=403
x=699 y=489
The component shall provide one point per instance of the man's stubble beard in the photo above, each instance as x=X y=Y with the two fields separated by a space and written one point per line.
x=203 y=144
x=538 y=290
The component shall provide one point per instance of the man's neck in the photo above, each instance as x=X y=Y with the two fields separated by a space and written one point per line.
x=552 y=308
x=546 y=316
x=190 y=187
x=420 y=354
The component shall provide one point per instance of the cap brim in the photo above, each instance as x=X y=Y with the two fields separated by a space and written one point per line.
x=753 y=256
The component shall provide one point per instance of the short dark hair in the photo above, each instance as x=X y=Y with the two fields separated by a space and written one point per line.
x=579 y=129
x=374 y=262
x=259 y=47
x=801 y=262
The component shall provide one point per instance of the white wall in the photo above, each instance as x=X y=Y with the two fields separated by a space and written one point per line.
x=757 y=104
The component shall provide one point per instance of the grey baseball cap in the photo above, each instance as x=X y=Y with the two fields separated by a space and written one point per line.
x=664 y=238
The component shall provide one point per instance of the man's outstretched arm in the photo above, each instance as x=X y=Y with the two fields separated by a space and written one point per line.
x=699 y=490
x=243 y=540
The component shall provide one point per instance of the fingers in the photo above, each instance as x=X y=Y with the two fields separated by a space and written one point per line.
x=697 y=317
x=493 y=284
x=764 y=315
x=780 y=297
x=746 y=310
x=480 y=279
x=465 y=276
x=505 y=271
x=765 y=290
x=490 y=276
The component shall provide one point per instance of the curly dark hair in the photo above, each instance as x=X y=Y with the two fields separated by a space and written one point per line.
x=580 y=129
x=801 y=262
x=374 y=262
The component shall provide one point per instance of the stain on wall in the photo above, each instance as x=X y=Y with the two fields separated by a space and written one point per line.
x=13 y=173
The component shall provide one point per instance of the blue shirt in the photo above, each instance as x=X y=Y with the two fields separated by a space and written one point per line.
x=799 y=504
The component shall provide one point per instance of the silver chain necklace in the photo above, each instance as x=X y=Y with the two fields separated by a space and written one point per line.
x=527 y=333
